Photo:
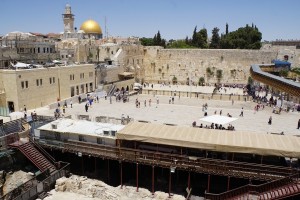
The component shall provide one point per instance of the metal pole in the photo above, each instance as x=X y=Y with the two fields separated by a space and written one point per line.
x=82 y=166
x=153 y=180
x=121 y=169
x=108 y=171
x=137 y=177
x=208 y=183
x=189 y=181
x=170 y=180
x=228 y=183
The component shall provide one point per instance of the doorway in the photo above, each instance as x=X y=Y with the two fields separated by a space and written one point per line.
x=11 y=106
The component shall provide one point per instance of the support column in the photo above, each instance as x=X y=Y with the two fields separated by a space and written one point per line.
x=153 y=180
x=189 y=181
x=228 y=183
x=108 y=177
x=137 y=177
x=121 y=174
x=95 y=166
x=208 y=183
x=170 y=182
x=82 y=165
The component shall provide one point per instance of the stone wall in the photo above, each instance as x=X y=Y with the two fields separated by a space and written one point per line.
x=161 y=65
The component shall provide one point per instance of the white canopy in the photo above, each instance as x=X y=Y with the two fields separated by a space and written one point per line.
x=16 y=115
x=218 y=119
x=21 y=65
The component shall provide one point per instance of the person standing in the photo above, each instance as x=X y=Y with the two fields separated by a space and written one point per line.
x=71 y=103
x=242 y=112
x=270 y=120
x=86 y=107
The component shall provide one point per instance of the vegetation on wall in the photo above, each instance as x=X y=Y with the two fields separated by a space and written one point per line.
x=248 y=37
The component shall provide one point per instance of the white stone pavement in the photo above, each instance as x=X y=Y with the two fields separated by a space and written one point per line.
x=186 y=110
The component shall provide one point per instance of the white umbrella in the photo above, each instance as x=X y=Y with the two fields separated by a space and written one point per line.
x=218 y=119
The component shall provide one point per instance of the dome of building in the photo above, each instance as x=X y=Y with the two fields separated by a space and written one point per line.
x=91 y=26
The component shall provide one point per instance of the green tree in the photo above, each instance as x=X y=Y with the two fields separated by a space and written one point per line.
x=226 y=29
x=155 y=40
x=201 y=81
x=202 y=38
x=243 y=38
x=215 y=39
x=179 y=44
x=147 y=41
x=158 y=39
x=194 y=37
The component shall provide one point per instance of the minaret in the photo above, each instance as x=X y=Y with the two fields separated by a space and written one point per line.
x=68 y=20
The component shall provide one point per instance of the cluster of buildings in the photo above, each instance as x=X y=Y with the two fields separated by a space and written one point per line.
x=77 y=61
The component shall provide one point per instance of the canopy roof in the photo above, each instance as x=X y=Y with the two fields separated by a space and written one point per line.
x=212 y=139
x=218 y=119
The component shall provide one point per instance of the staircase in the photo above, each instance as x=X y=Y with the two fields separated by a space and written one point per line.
x=278 y=189
x=38 y=159
x=289 y=190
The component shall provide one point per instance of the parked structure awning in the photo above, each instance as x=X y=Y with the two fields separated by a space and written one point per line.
x=212 y=139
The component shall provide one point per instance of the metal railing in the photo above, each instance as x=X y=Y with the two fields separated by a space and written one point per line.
x=37 y=185
x=257 y=190
x=42 y=150
x=198 y=164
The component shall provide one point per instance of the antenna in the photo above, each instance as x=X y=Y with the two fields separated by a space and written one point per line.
x=105 y=31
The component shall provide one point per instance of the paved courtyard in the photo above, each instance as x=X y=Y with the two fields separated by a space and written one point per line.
x=185 y=110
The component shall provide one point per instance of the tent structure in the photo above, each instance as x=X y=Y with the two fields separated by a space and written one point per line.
x=218 y=119
x=21 y=65
x=212 y=139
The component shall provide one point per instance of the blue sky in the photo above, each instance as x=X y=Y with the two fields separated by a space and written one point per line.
x=176 y=19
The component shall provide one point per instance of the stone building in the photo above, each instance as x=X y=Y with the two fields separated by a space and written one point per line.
x=27 y=48
x=43 y=86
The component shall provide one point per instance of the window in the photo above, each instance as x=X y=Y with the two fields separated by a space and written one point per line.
x=99 y=140
x=41 y=82
x=91 y=74
x=22 y=85
x=21 y=50
x=81 y=75
x=50 y=80
x=62 y=56
x=72 y=77
x=26 y=84
x=81 y=138
x=39 y=50
x=53 y=80
x=37 y=82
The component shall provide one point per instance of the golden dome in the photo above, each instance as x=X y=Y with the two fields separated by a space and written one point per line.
x=91 y=26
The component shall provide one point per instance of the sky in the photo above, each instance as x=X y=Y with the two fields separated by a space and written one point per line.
x=175 y=19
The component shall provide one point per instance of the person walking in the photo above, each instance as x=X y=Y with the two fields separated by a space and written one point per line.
x=242 y=112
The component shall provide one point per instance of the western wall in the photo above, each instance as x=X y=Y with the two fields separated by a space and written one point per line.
x=161 y=65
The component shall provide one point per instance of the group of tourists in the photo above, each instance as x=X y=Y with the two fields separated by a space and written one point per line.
x=214 y=126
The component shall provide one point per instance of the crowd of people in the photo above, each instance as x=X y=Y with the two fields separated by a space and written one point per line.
x=214 y=126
